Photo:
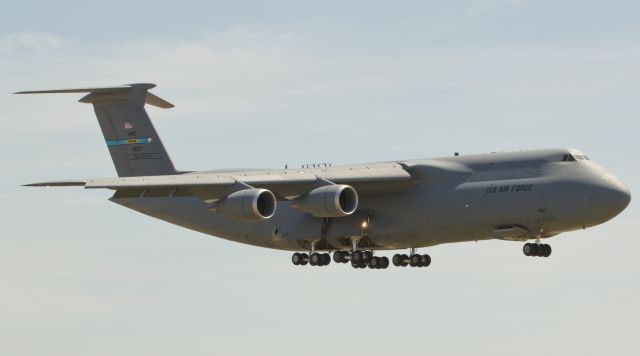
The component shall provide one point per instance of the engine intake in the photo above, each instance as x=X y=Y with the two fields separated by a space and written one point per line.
x=330 y=201
x=248 y=205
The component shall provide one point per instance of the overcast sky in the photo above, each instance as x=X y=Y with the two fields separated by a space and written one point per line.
x=269 y=83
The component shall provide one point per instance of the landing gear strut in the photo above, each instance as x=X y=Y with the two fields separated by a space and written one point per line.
x=536 y=249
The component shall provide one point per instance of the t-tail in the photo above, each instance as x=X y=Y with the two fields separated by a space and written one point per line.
x=132 y=140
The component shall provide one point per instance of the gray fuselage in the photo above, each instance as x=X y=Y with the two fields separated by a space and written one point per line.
x=514 y=196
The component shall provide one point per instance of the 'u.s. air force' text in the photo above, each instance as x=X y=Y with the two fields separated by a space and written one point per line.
x=509 y=188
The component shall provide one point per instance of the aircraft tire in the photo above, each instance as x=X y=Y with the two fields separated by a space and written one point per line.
x=404 y=259
x=315 y=259
x=367 y=255
x=385 y=262
x=326 y=259
x=357 y=257
x=415 y=261
x=425 y=260
x=397 y=260
x=546 y=251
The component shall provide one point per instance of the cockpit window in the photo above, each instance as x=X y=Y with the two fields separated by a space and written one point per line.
x=573 y=158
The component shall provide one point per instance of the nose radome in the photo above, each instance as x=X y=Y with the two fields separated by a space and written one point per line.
x=616 y=194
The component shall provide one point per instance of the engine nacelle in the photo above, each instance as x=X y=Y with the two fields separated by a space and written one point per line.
x=329 y=201
x=248 y=204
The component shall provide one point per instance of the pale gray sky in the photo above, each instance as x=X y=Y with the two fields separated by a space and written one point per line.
x=403 y=79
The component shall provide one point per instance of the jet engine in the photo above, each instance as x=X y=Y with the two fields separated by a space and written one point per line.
x=329 y=201
x=248 y=204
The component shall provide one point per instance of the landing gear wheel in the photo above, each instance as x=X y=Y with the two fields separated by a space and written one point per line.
x=547 y=251
x=537 y=250
x=296 y=258
x=415 y=261
x=375 y=263
x=397 y=260
x=357 y=257
x=367 y=255
x=316 y=259
x=305 y=259
x=405 y=259
x=385 y=262
x=340 y=257
x=425 y=260
x=326 y=259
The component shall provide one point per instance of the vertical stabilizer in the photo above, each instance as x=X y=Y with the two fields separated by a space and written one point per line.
x=132 y=140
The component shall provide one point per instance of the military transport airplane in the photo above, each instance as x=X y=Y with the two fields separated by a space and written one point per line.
x=355 y=211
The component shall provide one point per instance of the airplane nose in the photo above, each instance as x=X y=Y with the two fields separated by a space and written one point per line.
x=615 y=195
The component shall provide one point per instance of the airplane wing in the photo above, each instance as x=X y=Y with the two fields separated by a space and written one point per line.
x=285 y=184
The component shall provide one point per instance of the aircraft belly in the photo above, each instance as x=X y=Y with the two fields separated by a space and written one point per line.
x=289 y=229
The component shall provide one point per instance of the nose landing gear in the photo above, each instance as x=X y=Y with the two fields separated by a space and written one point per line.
x=536 y=250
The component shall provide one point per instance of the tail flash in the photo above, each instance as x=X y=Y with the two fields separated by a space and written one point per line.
x=132 y=140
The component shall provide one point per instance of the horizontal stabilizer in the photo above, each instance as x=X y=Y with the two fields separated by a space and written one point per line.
x=154 y=100
x=74 y=183
x=112 y=89
x=150 y=98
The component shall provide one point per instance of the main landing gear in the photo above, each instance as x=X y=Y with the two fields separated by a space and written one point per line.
x=358 y=259
x=361 y=259
x=536 y=249
x=413 y=260
x=315 y=259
